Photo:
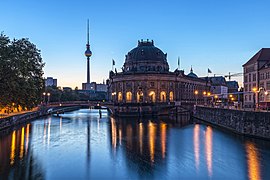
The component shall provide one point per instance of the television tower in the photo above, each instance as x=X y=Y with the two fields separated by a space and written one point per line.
x=88 y=53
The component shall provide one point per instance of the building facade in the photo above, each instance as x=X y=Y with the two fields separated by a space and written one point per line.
x=50 y=81
x=145 y=78
x=257 y=79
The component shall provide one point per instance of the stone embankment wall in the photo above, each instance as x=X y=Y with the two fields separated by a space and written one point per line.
x=19 y=119
x=22 y=118
x=256 y=124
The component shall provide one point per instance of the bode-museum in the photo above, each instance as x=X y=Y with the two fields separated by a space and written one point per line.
x=146 y=80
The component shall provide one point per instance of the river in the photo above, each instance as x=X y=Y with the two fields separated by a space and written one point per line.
x=83 y=145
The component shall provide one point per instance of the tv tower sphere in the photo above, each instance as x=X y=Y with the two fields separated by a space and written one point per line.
x=88 y=53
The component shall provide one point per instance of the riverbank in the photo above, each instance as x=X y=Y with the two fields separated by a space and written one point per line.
x=20 y=118
x=247 y=123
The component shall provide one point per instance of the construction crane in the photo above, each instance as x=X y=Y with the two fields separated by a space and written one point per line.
x=233 y=75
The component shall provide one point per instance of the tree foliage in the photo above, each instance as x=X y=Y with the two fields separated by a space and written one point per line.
x=21 y=81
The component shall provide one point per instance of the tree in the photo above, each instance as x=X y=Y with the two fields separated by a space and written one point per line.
x=21 y=81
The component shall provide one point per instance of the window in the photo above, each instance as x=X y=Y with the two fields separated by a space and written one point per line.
x=140 y=95
x=245 y=79
x=120 y=97
x=262 y=84
x=163 y=96
x=249 y=77
x=171 y=96
x=152 y=96
x=254 y=77
x=268 y=85
x=267 y=75
x=129 y=96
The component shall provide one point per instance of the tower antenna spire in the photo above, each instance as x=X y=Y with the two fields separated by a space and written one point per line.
x=88 y=31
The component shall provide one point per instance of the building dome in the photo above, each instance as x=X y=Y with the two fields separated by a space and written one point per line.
x=191 y=74
x=146 y=57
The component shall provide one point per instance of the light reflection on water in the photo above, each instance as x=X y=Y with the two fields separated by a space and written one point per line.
x=253 y=161
x=82 y=145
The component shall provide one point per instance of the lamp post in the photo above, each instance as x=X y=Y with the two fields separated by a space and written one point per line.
x=204 y=97
x=196 y=92
x=216 y=97
x=48 y=94
x=266 y=93
x=254 y=97
x=44 y=95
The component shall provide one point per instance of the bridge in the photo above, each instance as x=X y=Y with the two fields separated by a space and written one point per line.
x=120 y=109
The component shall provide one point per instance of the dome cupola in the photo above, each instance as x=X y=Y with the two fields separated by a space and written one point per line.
x=145 y=58
x=192 y=74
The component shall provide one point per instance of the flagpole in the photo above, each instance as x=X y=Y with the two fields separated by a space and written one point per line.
x=179 y=63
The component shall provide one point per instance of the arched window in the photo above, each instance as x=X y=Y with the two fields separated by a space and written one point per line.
x=163 y=96
x=139 y=96
x=120 y=97
x=152 y=96
x=171 y=96
x=129 y=96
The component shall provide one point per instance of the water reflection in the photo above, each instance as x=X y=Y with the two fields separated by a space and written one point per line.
x=152 y=140
x=22 y=144
x=141 y=137
x=127 y=149
x=253 y=163
x=196 y=143
x=163 y=128
x=27 y=138
x=13 y=148
x=114 y=133
x=208 y=149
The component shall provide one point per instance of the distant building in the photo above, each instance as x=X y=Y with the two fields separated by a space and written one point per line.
x=102 y=87
x=257 y=79
x=50 y=81
x=95 y=87
x=94 y=95
x=89 y=86
x=219 y=87
x=232 y=86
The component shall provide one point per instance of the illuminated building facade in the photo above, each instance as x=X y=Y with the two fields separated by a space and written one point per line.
x=145 y=78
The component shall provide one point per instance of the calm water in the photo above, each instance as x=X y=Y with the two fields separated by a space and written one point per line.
x=82 y=145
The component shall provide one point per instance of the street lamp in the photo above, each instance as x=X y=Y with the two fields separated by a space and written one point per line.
x=196 y=92
x=48 y=94
x=204 y=97
x=44 y=95
x=216 y=97
x=254 y=97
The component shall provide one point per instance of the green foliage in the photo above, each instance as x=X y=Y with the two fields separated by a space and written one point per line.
x=21 y=73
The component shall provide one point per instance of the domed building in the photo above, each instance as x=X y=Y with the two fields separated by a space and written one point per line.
x=146 y=79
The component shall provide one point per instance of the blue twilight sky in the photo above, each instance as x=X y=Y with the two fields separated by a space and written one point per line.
x=217 y=34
